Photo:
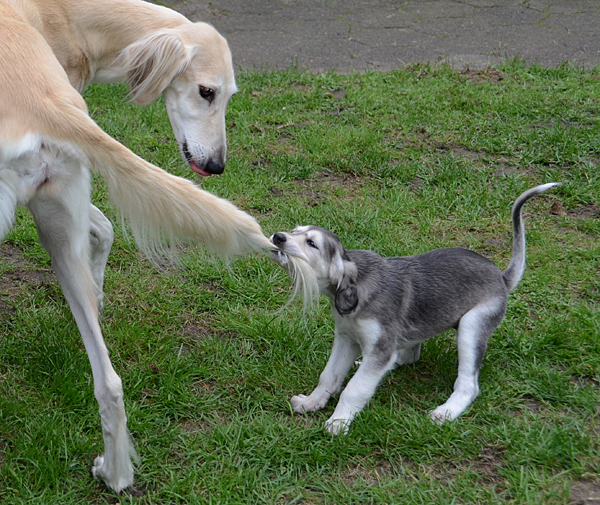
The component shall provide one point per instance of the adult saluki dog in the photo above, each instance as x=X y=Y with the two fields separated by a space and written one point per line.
x=50 y=50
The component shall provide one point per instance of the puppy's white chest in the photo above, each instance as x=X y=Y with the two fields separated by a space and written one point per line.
x=365 y=332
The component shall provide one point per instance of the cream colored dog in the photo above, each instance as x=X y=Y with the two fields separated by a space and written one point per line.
x=50 y=50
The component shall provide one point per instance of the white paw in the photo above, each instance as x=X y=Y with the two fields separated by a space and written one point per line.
x=337 y=426
x=97 y=468
x=303 y=403
x=115 y=482
x=441 y=415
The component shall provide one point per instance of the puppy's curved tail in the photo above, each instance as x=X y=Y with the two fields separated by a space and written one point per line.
x=514 y=272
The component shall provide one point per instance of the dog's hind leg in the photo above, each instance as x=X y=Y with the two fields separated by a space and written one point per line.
x=8 y=206
x=474 y=330
x=343 y=354
x=101 y=240
x=61 y=213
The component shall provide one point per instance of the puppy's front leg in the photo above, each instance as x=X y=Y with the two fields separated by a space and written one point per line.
x=343 y=354
x=359 y=391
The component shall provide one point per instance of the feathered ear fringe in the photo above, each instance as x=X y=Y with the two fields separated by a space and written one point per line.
x=304 y=280
x=151 y=63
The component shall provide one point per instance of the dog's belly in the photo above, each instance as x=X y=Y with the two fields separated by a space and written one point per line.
x=29 y=168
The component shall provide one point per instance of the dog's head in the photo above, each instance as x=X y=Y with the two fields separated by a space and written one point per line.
x=190 y=65
x=323 y=251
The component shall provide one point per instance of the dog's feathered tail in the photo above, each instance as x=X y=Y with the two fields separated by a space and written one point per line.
x=514 y=272
x=303 y=278
x=305 y=282
x=161 y=209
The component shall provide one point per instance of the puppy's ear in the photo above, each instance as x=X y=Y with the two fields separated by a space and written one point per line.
x=346 y=296
x=151 y=63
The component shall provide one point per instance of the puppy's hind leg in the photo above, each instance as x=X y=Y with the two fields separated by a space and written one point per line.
x=474 y=330
x=343 y=354
x=408 y=356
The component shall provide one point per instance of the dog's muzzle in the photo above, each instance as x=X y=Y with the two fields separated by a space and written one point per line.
x=211 y=167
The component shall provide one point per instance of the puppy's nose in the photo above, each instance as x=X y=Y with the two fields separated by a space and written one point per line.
x=279 y=239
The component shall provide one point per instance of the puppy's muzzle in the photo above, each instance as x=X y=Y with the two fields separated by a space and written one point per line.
x=279 y=239
x=278 y=256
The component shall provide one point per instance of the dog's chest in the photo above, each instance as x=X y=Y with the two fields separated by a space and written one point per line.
x=365 y=332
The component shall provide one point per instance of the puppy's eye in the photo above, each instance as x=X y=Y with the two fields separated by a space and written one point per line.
x=311 y=243
x=207 y=93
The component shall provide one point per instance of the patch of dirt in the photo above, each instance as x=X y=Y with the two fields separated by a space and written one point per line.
x=383 y=469
x=338 y=94
x=485 y=466
x=316 y=190
x=585 y=492
x=349 y=181
x=586 y=211
x=557 y=209
x=20 y=275
x=195 y=426
x=22 y=271
x=487 y=463
x=462 y=152
x=346 y=180
x=135 y=491
x=489 y=74
x=302 y=87
x=206 y=386
x=196 y=330
x=529 y=405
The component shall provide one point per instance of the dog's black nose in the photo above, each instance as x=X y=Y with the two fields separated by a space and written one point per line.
x=215 y=167
x=278 y=239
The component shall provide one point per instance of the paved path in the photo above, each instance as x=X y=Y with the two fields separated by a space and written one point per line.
x=382 y=34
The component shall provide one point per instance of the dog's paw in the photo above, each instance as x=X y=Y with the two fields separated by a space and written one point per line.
x=337 y=426
x=115 y=482
x=302 y=404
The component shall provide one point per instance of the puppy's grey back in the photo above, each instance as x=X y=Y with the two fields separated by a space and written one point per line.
x=426 y=294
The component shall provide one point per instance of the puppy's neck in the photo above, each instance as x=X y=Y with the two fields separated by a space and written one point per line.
x=328 y=289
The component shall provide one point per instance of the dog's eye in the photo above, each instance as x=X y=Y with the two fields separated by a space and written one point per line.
x=311 y=243
x=207 y=93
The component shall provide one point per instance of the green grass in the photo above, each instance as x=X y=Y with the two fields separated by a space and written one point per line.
x=399 y=163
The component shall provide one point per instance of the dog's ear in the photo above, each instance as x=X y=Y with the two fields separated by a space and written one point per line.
x=151 y=63
x=346 y=296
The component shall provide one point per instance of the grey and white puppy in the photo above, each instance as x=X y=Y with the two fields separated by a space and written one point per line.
x=384 y=308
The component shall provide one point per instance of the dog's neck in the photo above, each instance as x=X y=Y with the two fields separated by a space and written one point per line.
x=87 y=42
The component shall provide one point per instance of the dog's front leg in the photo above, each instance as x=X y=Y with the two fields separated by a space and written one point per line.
x=343 y=354
x=359 y=391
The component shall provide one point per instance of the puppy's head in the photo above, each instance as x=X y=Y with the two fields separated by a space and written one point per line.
x=324 y=253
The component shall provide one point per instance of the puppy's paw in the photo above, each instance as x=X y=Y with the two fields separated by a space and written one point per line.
x=337 y=426
x=302 y=404
x=441 y=415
